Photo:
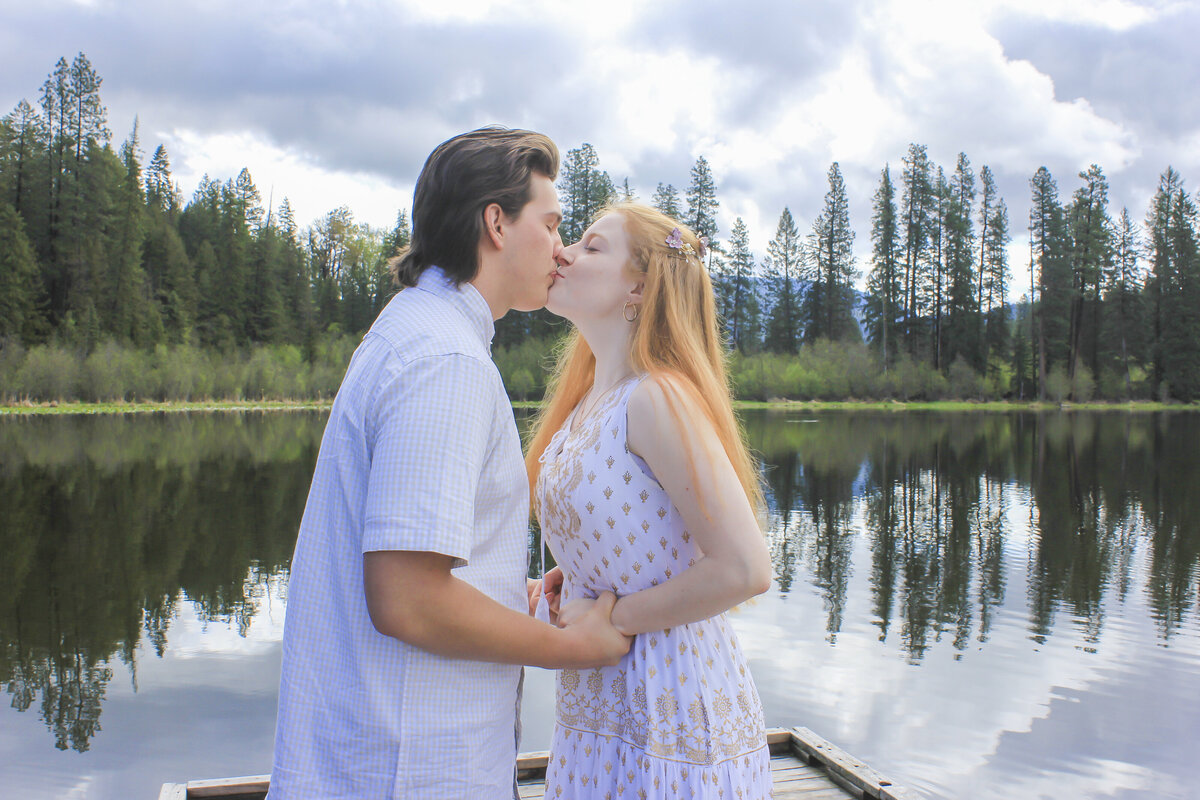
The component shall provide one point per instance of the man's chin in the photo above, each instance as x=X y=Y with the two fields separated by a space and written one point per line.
x=530 y=304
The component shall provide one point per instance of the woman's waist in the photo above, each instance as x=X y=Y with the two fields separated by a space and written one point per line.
x=591 y=566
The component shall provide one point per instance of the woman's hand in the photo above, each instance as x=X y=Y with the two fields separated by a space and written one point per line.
x=574 y=611
x=533 y=588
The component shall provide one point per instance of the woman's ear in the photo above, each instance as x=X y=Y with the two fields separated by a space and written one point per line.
x=636 y=291
x=493 y=225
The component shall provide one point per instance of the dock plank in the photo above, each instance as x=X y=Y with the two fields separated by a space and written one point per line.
x=793 y=778
x=803 y=767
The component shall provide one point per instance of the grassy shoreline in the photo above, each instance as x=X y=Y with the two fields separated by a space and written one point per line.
x=776 y=405
x=172 y=406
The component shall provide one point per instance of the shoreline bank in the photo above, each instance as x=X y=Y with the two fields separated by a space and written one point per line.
x=54 y=408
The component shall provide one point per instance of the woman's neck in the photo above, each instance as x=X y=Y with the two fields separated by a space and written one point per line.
x=611 y=349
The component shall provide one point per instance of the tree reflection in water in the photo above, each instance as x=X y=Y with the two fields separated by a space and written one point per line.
x=111 y=522
x=113 y=525
x=933 y=495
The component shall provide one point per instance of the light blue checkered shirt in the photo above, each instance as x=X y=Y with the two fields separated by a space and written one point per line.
x=420 y=453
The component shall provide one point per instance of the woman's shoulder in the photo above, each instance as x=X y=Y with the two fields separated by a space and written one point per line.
x=663 y=410
x=661 y=393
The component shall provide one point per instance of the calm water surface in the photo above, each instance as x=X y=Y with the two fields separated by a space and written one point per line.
x=983 y=605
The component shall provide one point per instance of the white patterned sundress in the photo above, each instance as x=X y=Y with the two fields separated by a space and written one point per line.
x=679 y=717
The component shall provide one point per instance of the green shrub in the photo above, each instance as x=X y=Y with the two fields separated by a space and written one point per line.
x=963 y=382
x=48 y=373
x=1058 y=385
x=112 y=374
x=12 y=355
x=1083 y=386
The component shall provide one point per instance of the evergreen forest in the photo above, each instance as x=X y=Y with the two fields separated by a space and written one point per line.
x=115 y=287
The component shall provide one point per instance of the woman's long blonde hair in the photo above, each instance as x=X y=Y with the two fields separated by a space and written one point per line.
x=676 y=340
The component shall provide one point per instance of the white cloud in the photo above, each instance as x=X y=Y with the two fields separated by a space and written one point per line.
x=1117 y=15
x=339 y=103
x=312 y=190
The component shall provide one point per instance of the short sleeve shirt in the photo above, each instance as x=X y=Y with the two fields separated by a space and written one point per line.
x=420 y=453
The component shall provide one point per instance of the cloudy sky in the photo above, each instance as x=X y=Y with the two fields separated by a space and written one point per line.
x=338 y=103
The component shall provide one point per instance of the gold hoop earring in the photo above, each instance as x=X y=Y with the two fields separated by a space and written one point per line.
x=625 y=311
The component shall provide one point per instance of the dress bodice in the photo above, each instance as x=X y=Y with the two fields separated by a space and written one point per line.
x=604 y=516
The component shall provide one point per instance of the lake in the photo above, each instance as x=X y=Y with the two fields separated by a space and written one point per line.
x=993 y=605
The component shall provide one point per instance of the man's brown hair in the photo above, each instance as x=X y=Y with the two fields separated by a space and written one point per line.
x=460 y=179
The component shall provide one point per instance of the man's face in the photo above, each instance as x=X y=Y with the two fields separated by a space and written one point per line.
x=533 y=248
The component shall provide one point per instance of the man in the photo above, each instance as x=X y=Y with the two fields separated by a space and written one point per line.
x=408 y=607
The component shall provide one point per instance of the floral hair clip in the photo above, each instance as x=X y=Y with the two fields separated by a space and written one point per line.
x=675 y=242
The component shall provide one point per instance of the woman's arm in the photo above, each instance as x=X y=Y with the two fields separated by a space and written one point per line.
x=692 y=467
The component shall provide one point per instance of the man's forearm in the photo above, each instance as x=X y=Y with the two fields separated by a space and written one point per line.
x=416 y=599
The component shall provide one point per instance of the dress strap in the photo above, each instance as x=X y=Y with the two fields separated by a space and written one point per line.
x=620 y=408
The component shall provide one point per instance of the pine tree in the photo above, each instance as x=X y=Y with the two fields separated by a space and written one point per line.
x=828 y=308
x=745 y=313
x=1181 y=333
x=172 y=280
x=1091 y=256
x=1123 y=300
x=395 y=243
x=22 y=145
x=90 y=115
x=1175 y=267
x=989 y=196
x=584 y=188
x=1162 y=267
x=132 y=316
x=994 y=279
x=702 y=202
x=785 y=260
x=666 y=200
x=627 y=193
x=247 y=202
x=962 y=322
x=915 y=216
x=58 y=110
x=884 y=309
x=18 y=278
x=936 y=290
x=294 y=273
x=1050 y=243
x=161 y=195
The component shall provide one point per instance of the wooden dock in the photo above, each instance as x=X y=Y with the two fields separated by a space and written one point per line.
x=803 y=765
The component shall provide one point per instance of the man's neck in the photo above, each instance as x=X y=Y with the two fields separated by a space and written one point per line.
x=488 y=282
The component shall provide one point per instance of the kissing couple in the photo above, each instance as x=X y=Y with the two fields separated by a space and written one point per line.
x=410 y=610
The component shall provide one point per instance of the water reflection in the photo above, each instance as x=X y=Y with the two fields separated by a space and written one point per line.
x=109 y=523
x=926 y=531
x=934 y=496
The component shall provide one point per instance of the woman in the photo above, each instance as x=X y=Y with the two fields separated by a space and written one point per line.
x=643 y=486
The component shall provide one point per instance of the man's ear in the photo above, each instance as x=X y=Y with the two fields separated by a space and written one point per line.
x=494 y=225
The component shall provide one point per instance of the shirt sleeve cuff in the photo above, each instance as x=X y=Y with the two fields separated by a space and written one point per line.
x=389 y=535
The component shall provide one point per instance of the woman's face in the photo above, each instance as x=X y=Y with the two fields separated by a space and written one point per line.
x=592 y=281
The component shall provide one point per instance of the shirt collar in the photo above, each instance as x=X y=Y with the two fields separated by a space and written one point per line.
x=464 y=297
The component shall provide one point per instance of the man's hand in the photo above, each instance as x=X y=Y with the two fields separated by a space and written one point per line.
x=591 y=621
